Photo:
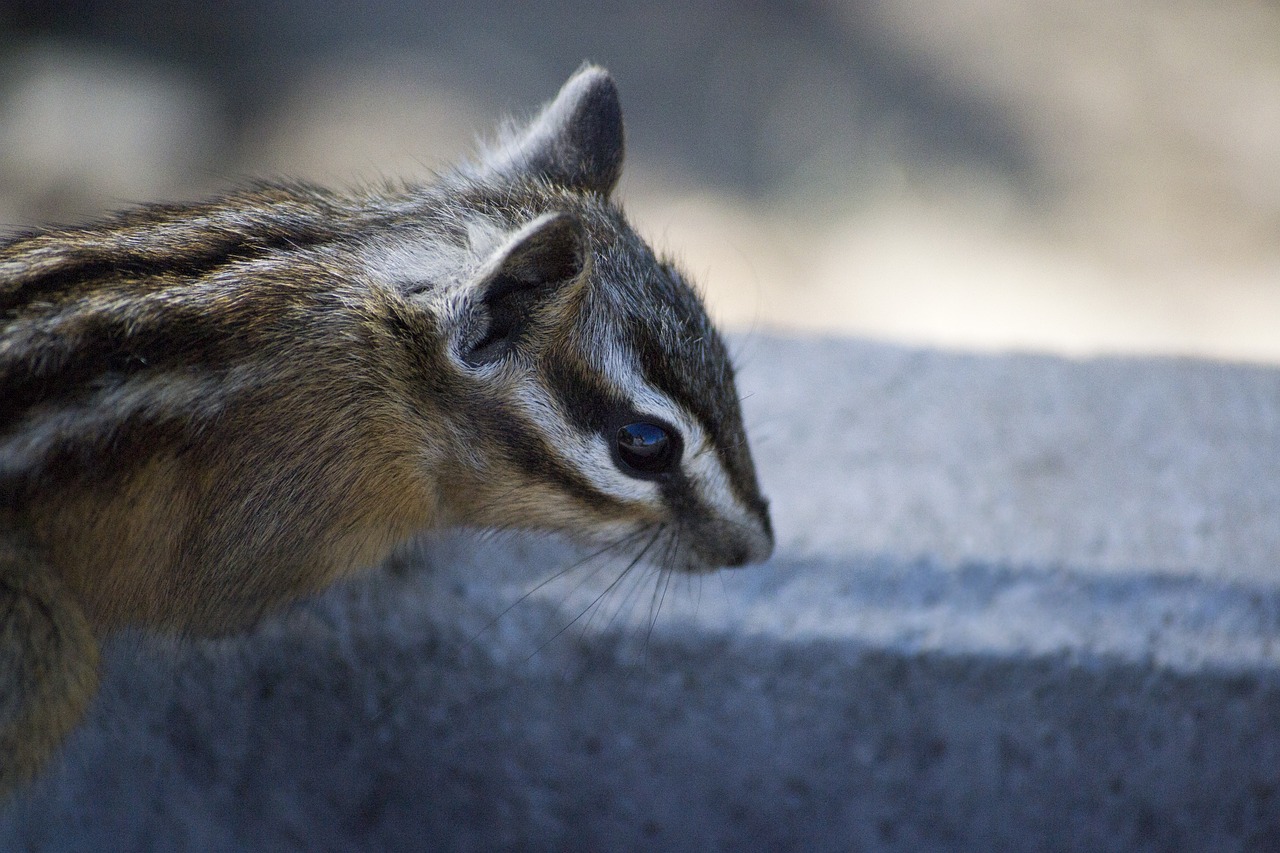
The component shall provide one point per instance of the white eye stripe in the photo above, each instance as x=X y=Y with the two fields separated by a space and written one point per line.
x=701 y=463
x=592 y=455
x=589 y=454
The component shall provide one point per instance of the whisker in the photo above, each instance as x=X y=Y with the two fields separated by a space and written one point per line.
x=597 y=605
x=584 y=581
x=628 y=599
x=666 y=582
x=664 y=579
x=620 y=543
x=657 y=532
x=631 y=565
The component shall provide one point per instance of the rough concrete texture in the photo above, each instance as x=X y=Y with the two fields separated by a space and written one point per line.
x=1018 y=603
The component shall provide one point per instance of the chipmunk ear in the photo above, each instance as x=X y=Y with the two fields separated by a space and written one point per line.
x=538 y=264
x=575 y=142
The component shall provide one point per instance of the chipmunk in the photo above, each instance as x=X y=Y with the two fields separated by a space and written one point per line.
x=209 y=410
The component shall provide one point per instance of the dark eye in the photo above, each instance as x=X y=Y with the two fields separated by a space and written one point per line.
x=646 y=448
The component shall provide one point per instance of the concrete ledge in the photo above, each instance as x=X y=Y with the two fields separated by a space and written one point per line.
x=1019 y=603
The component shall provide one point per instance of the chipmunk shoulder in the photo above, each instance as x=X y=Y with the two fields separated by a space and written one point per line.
x=207 y=410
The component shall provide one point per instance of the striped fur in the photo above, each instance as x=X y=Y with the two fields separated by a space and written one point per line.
x=207 y=410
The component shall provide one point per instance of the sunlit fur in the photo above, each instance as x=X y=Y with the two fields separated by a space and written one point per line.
x=208 y=410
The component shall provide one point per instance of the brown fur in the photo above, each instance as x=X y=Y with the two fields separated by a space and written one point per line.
x=209 y=410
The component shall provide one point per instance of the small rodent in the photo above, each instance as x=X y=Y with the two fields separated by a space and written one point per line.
x=207 y=410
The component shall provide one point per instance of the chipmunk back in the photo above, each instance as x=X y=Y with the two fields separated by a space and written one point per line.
x=208 y=410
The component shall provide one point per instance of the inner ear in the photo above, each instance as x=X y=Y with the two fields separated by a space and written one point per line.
x=547 y=251
x=531 y=271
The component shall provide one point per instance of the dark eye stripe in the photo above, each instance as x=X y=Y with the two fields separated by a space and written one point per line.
x=709 y=395
x=586 y=399
x=527 y=448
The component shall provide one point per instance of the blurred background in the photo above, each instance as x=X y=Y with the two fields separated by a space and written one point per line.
x=1072 y=176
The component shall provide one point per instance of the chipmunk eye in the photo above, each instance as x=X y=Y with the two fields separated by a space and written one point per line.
x=646 y=448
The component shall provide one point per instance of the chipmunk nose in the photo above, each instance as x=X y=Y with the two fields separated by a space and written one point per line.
x=752 y=546
x=731 y=542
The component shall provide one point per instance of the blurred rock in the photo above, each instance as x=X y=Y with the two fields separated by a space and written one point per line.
x=1018 y=603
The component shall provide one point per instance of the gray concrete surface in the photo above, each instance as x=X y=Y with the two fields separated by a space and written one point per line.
x=1019 y=603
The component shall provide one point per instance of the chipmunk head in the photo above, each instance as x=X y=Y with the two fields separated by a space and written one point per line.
x=604 y=394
